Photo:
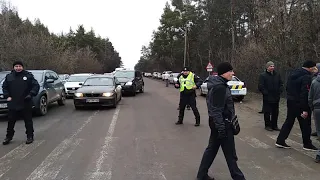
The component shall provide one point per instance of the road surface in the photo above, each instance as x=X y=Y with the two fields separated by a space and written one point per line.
x=139 y=141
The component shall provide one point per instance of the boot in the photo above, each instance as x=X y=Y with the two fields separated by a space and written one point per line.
x=6 y=141
x=179 y=122
x=197 y=122
x=29 y=140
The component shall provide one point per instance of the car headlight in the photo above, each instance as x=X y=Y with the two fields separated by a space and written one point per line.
x=107 y=94
x=129 y=83
x=78 y=94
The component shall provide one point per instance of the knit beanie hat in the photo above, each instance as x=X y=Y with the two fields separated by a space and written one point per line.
x=270 y=63
x=309 y=64
x=224 y=67
x=17 y=63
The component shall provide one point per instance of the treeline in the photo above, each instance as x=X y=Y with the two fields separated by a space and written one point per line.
x=247 y=33
x=75 y=52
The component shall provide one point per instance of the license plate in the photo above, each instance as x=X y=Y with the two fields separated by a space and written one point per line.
x=235 y=91
x=92 y=100
x=3 y=105
x=71 y=92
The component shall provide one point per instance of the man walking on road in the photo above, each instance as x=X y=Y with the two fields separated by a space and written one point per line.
x=271 y=86
x=19 y=87
x=298 y=86
x=221 y=111
x=188 y=83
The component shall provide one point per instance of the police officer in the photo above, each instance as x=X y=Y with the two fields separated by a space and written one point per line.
x=298 y=85
x=188 y=84
x=220 y=109
x=188 y=106
x=19 y=87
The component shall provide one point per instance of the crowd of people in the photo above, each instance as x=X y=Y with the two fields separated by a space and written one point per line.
x=303 y=100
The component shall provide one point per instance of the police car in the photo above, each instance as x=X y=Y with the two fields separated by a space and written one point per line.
x=237 y=87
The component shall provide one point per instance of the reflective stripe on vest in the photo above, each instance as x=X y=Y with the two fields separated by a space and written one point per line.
x=187 y=83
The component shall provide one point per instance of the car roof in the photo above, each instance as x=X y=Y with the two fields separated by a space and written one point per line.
x=102 y=76
x=82 y=74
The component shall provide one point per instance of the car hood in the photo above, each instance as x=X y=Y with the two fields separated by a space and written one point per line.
x=72 y=84
x=95 y=89
x=124 y=80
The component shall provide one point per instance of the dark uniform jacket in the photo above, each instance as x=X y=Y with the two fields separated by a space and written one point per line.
x=219 y=101
x=271 y=86
x=197 y=81
x=18 y=86
x=298 y=87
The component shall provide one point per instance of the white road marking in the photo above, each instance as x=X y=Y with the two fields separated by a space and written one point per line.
x=255 y=143
x=105 y=150
x=296 y=146
x=54 y=162
x=18 y=153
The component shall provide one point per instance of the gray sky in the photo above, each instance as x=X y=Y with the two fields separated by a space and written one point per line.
x=127 y=23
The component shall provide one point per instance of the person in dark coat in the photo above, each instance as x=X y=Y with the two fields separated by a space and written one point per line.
x=19 y=87
x=187 y=84
x=220 y=110
x=271 y=87
x=298 y=86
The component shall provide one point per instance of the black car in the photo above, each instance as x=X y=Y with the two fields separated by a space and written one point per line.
x=131 y=81
x=3 y=101
x=51 y=91
x=98 y=90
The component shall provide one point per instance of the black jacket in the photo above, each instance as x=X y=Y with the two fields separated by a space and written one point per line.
x=298 y=87
x=271 y=86
x=18 y=86
x=197 y=81
x=219 y=101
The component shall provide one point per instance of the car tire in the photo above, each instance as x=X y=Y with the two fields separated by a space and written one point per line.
x=62 y=100
x=43 y=106
x=201 y=93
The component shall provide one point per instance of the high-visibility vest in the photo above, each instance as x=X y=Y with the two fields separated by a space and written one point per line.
x=187 y=83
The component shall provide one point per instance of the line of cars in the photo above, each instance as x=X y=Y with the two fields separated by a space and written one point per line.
x=237 y=87
x=86 y=89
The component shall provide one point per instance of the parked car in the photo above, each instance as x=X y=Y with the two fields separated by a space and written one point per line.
x=72 y=84
x=64 y=77
x=173 y=78
x=131 y=81
x=51 y=91
x=238 y=88
x=98 y=90
x=3 y=101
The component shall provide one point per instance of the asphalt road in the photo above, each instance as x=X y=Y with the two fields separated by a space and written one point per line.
x=139 y=141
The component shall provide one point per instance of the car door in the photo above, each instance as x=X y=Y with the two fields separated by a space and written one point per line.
x=57 y=85
x=49 y=87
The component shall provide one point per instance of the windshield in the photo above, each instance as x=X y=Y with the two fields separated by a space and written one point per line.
x=38 y=76
x=124 y=74
x=77 y=78
x=99 y=82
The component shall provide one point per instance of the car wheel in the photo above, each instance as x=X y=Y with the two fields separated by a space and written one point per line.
x=142 y=89
x=62 y=100
x=43 y=106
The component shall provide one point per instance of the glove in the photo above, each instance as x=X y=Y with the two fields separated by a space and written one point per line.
x=28 y=97
x=222 y=134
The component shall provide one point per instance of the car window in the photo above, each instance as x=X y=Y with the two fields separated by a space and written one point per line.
x=54 y=76
x=77 y=78
x=99 y=81
x=235 y=79
x=125 y=74
x=116 y=81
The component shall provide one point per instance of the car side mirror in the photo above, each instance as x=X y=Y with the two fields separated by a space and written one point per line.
x=80 y=84
x=49 y=81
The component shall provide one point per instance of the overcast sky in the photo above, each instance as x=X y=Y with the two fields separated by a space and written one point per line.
x=127 y=23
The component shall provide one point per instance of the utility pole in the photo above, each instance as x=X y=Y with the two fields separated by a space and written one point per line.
x=233 y=30
x=185 y=46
